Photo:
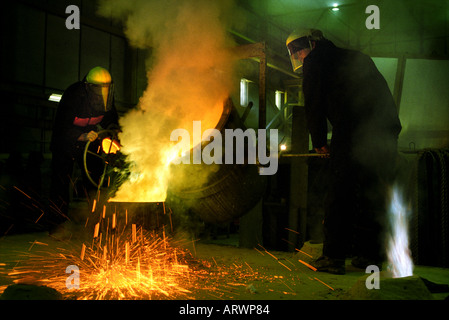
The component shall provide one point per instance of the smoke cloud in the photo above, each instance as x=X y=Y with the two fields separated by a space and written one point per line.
x=191 y=75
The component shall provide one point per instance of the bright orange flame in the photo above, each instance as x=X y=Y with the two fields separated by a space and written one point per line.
x=110 y=146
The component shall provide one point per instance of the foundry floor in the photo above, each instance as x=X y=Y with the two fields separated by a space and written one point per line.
x=266 y=275
x=244 y=273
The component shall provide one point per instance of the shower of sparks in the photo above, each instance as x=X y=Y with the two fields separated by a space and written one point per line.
x=398 y=252
x=151 y=268
x=132 y=264
x=123 y=261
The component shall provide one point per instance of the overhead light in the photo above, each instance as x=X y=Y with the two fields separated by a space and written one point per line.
x=283 y=147
x=335 y=7
x=55 y=97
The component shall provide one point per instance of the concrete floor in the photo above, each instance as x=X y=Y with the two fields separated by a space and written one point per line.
x=229 y=272
x=244 y=274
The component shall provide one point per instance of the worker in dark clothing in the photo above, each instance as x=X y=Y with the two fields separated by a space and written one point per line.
x=345 y=88
x=86 y=107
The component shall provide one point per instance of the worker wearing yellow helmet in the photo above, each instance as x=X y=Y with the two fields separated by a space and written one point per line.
x=99 y=82
x=300 y=43
x=343 y=87
x=86 y=107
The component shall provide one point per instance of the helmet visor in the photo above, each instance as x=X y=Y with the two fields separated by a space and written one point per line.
x=101 y=94
x=296 y=61
x=294 y=48
x=298 y=44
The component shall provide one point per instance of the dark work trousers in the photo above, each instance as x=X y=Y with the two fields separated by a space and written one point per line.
x=61 y=180
x=356 y=204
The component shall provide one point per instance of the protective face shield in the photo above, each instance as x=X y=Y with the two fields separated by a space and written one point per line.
x=294 y=49
x=100 y=87
x=298 y=41
x=101 y=94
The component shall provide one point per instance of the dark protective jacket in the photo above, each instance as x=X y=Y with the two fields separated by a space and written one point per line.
x=79 y=112
x=345 y=87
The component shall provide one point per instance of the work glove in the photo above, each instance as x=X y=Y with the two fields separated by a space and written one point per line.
x=90 y=136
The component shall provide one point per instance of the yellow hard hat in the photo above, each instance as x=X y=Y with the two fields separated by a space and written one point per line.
x=99 y=75
x=99 y=82
x=311 y=34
